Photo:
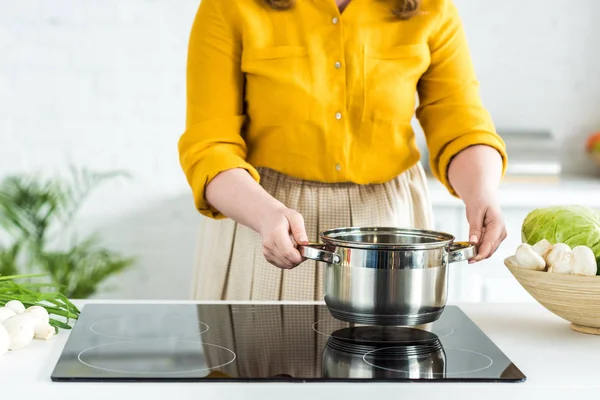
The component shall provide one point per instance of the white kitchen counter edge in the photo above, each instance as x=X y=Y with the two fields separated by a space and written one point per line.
x=557 y=362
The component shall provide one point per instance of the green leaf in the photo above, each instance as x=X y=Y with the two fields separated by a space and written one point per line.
x=59 y=324
x=55 y=303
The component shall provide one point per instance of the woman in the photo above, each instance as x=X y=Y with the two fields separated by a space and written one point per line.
x=298 y=120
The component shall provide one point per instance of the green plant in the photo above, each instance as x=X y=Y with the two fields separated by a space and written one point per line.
x=36 y=216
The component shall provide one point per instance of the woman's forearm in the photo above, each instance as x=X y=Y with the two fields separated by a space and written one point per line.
x=239 y=197
x=475 y=171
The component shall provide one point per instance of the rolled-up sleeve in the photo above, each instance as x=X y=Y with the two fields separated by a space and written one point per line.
x=212 y=141
x=450 y=108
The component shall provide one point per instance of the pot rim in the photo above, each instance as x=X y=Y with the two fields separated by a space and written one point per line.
x=436 y=239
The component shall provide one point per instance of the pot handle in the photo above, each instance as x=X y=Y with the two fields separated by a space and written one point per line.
x=461 y=251
x=317 y=252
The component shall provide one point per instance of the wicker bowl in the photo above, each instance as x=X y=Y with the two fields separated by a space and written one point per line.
x=572 y=297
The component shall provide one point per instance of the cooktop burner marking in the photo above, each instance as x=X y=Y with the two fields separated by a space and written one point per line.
x=484 y=361
x=148 y=327
x=335 y=325
x=225 y=353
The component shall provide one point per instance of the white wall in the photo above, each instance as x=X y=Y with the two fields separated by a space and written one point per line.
x=101 y=84
x=538 y=62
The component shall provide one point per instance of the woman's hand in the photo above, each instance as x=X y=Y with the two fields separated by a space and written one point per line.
x=475 y=175
x=487 y=229
x=236 y=195
x=280 y=229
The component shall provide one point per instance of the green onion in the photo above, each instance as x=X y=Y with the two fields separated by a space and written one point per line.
x=30 y=294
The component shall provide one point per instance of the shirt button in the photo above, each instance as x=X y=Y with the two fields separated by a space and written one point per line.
x=338 y=64
x=334 y=20
x=338 y=115
x=338 y=167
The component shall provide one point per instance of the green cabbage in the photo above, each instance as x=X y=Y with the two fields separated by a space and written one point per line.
x=573 y=225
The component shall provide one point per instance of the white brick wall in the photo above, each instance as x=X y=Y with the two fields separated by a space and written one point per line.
x=101 y=83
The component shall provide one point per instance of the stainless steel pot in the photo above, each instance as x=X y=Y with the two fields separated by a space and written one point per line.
x=387 y=276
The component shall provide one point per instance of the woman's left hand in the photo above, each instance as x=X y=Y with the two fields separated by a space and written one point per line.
x=475 y=174
x=487 y=229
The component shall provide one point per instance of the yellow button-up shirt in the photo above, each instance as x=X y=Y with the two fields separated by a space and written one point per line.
x=327 y=96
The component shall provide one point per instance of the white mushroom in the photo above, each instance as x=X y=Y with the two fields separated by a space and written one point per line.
x=6 y=313
x=39 y=312
x=527 y=258
x=557 y=253
x=542 y=247
x=20 y=330
x=583 y=261
x=4 y=340
x=564 y=266
x=16 y=306
x=43 y=331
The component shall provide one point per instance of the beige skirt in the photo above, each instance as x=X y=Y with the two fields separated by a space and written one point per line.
x=230 y=264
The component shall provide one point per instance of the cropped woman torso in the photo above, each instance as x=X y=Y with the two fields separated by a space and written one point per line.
x=310 y=96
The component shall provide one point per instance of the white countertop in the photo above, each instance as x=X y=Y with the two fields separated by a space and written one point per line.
x=557 y=362
x=532 y=193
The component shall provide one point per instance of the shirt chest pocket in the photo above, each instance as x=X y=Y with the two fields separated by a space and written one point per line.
x=390 y=81
x=278 y=84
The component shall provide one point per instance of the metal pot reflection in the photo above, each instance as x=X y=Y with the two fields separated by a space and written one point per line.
x=396 y=353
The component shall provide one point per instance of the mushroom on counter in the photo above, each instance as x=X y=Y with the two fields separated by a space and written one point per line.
x=6 y=313
x=39 y=312
x=21 y=330
x=16 y=306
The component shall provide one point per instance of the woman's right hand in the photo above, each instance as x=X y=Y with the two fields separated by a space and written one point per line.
x=237 y=195
x=281 y=229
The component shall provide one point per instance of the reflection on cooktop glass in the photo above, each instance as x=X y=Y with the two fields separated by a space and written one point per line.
x=135 y=342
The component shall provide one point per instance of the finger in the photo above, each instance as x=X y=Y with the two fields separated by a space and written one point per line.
x=495 y=245
x=482 y=248
x=282 y=262
x=290 y=255
x=273 y=258
x=476 y=226
x=495 y=230
x=285 y=248
x=272 y=254
x=498 y=242
x=491 y=240
x=297 y=227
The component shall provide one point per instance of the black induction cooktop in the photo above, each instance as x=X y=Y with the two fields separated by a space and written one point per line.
x=220 y=343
